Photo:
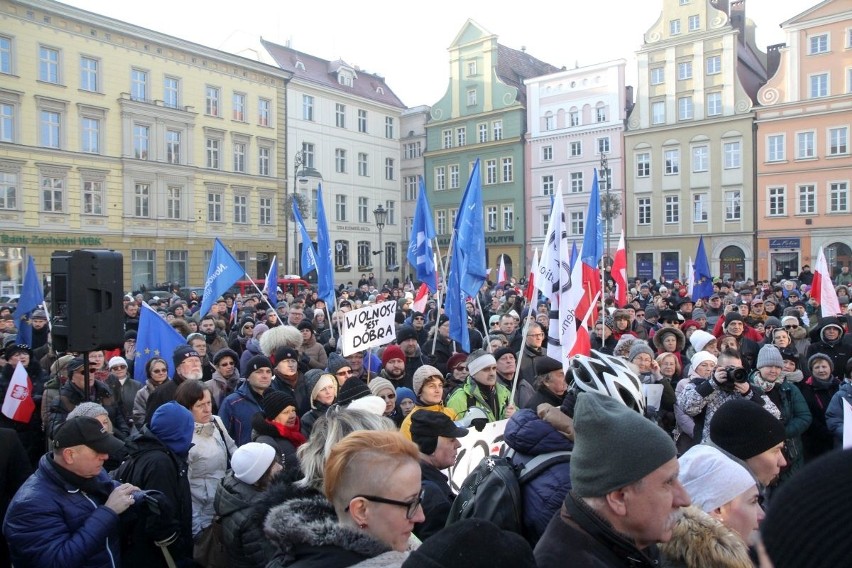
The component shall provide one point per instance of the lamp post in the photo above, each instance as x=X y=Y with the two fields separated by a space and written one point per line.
x=605 y=176
x=381 y=217
x=298 y=160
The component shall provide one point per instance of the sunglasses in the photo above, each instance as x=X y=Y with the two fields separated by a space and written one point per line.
x=462 y=368
x=387 y=396
x=118 y=367
x=341 y=373
x=159 y=371
x=791 y=327
x=227 y=364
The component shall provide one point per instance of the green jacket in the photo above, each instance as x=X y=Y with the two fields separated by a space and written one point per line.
x=469 y=395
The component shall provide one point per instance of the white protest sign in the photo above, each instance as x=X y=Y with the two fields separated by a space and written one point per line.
x=653 y=395
x=370 y=326
x=847 y=425
x=474 y=447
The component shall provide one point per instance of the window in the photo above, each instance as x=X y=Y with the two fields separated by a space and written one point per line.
x=805 y=145
x=508 y=170
x=90 y=129
x=577 y=222
x=643 y=165
x=8 y=190
x=264 y=112
x=263 y=160
x=807 y=199
x=171 y=92
x=600 y=114
x=643 y=208
x=48 y=65
x=576 y=149
x=819 y=85
x=139 y=85
x=777 y=201
x=307 y=107
x=390 y=206
x=441 y=222
x=490 y=172
x=818 y=44
x=440 y=178
x=214 y=207
x=658 y=112
x=576 y=182
x=340 y=207
x=733 y=200
x=684 y=70
x=838 y=197
x=211 y=101
x=364 y=254
x=389 y=165
x=574 y=118
x=89 y=74
x=5 y=55
x=714 y=65
x=837 y=141
x=142 y=267
x=142 y=200
x=497 y=129
x=238 y=104
x=307 y=155
x=491 y=218
x=714 y=104
x=694 y=23
x=775 y=148
x=173 y=201
x=388 y=127
x=483 y=133
x=674 y=27
x=314 y=203
x=672 y=161
x=340 y=115
x=391 y=261
x=239 y=157
x=410 y=187
x=471 y=97
x=685 y=108
x=733 y=155
x=176 y=266
x=362 y=121
x=362 y=164
x=658 y=75
x=454 y=176
x=412 y=150
x=363 y=210
x=545 y=224
x=471 y=68
x=265 y=211
x=241 y=209
x=214 y=146
x=93 y=197
x=461 y=136
x=173 y=146
x=341 y=254
x=699 y=208
x=547 y=185
x=448 y=138
x=700 y=158
x=672 y=209
x=547 y=153
x=50 y=129
x=340 y=160
x=603 y=145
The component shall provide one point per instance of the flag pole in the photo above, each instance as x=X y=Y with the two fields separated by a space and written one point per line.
x=438 y=290
x=603 y=286
x=250 y=279
x=520 y=356
x=484 y=325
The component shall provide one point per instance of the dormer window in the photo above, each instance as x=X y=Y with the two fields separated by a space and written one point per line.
x=344 y=78
x=300 y=65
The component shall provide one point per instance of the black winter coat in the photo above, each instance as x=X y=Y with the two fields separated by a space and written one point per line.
x=437 y=500
x=265 y=433
x=242 y=531
x=70 y=397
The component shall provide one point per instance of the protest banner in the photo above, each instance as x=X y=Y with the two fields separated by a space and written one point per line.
x=475 y=446
x=370 y=326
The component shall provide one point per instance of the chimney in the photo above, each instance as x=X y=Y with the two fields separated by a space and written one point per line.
x=773 y=58
x=737 y=15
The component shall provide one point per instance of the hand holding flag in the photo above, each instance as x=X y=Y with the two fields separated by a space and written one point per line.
x=18 y=404
x=31 y=298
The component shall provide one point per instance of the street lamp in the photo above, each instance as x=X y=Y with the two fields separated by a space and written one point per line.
x=298 y=160
x=381 y=217
x=605 y=177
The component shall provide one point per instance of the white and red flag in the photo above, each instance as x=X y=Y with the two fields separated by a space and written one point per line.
x=18 y=404
x=420 y=299
x=501 y=270
x=619 y=273
x=822 y=290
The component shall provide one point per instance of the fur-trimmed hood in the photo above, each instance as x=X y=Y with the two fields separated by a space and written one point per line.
x=698 y=540
x=661 y=334
x=280 y=336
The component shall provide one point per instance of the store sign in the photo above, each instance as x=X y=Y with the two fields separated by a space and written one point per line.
x=791 y=243
x=48 y=240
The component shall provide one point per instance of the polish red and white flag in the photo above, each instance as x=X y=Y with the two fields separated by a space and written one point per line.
x=619 y=273
x=822 y=289
x=419 y=303
x=18 y=404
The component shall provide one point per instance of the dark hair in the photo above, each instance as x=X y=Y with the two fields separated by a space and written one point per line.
x=190 y=392
x=150 y=364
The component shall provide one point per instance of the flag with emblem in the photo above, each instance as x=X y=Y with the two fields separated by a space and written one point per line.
x=155 y=338
x=18 y=405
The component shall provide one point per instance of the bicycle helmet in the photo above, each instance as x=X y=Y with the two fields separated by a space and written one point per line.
x=609 y=376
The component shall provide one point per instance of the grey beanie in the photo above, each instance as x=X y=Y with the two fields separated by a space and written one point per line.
x=336 y=362
x=614 y=446
x=697 y=313
x=420 y=376
x=638 y=348
x=90 y=409
x=378 y=384
x=816 y=356
x=769 y=356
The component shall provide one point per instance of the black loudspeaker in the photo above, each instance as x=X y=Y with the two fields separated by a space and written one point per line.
x=87 y=300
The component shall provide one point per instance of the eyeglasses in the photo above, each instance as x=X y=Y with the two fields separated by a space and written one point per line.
x=536 y=335
x=227 y=364
x=118 y=367
x=388 y=396
x=791 y=327
x=341 y=373
x=410 y=506
x=462 y=368
x=159 y=371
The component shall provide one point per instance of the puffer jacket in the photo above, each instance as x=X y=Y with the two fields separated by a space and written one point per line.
x=242 y=533
x=543 y=496
x=834 y=412
x=469 y=395
x=698 y=540
x=237 y=411
x=405 y=428
x=208 y=462
x=51 y=522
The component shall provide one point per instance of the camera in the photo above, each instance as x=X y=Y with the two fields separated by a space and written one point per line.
x=735 y=374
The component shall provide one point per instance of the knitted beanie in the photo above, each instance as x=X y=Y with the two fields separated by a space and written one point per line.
x=700 y=338
x=698 y=314
x=816 y=357
x=479 y=360
x=405 y=393
x=378 y=385
x=769 y=356
x=392 y=352
x=225 y=352
x=182 y=353
x=700 y=357
x=614 y=446
x=174 y=426
x=336 y=362
x=251 y=461
x=351 y=390
x=504 y=351
x=90 y=409
x=257 y=362
x=423 y=373
x=274 y=402
x=405 y=332
x=745 y=429
x=638 y=348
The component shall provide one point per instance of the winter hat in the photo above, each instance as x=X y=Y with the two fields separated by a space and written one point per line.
x=305 y=324
x=225 y=352
x=274 y=402
x=788 y=354
x=809 y=506
x=116 y=361
x=404 y=333
x=544 y=365
x=732 y=316
x=351 y=390
x=769 y=356
x=790 y=320
x=504 y=351
x=745 y=429
x=378 y=384
x=320 y=382
x=817 y=356
x=455 y=359
x=73 y=364
x=638 y=348
x=772 y=321
x=421 y=375
x=90 y=409
x=259 y=330
x=478 y=360
x=405 y=393
x=370 y=403
x=392 y=352
x=183 y=353
x=700 y=338
x=427 y=426
x=251 y=460
x=700 y=357
x=284 y=353
x=614 y=446
x=336 y=362
x=711 y=478
x=258 y=362
x=651 y=312
x=174 y=426
x=698 y=314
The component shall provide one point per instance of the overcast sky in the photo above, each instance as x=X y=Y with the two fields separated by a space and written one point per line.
x=407 y=42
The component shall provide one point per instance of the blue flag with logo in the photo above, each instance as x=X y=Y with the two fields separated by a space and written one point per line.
x=309 y=255
x=223 y=271
x=454 y=303
x=325 y=258
x=470 y=236
x=31 y=298
x=593 y=242
x=271 y=284
x=155 y=338
x=420 y=254
x=703 y=287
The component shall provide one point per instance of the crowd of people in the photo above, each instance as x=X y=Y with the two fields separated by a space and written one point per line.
x=692 y=428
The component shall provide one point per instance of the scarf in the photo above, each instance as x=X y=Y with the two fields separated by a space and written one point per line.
x=294 y=435
x=767 y=386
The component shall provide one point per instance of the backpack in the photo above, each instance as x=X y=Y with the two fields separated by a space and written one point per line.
x=493 y=490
